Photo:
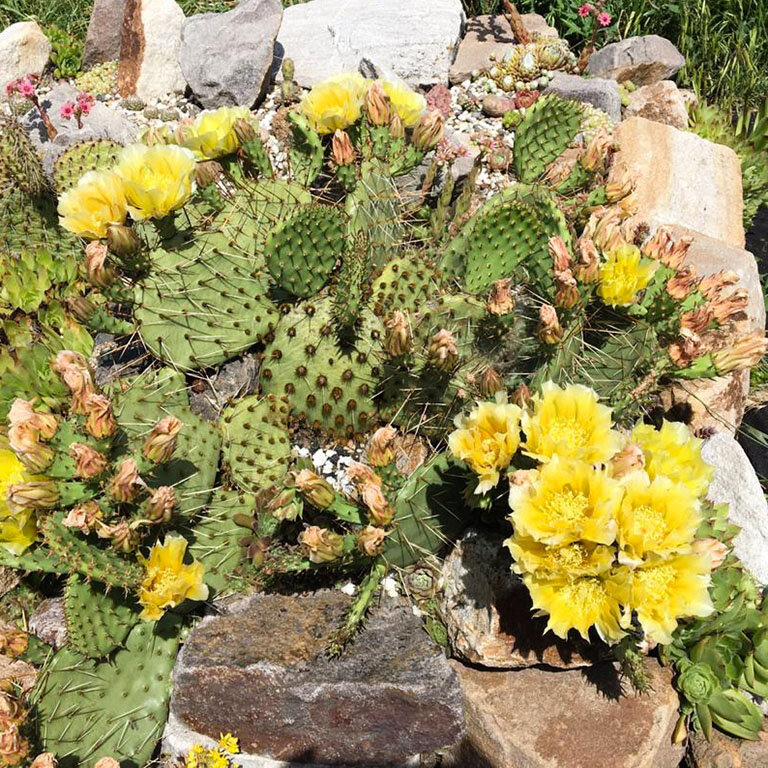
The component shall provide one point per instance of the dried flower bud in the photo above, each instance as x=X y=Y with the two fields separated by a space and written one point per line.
x=685 y=349
x=677 y=253
x=381 y=449
x=98 y=272
x=315 y=489
x=100 y=421
x=361 y=474
x=587 y=269
x=550 y=331
x=377 y=107
x=500 y=299
x=657 y=246
x=208 y=172
x=398 y=334
x=75 y=373
x=13 y=747
x=126 y=481
x=521 y=396
x=123 y=537
x=82 y=308
x=490 y=382
x=321 y=545
x=680 y=286
x=696 y=320
x=630 y=459
x=429 y=131
x=560 y=169
x=160 y=505
x=107 y=762
x=88 y=461
x=558 y=252
x=24 y=440
x=23 y=412
x=45 y=760
x=607 y=230
x=35 y=494
x=396 y=127
x=371 y=540
x=342 y=151
x=712 y=548
x=620 y=188
x=82 y=517
x=743 y=353
x=595 y=157
x=712 y=287
x=285 y=505
x=379 y=511
x=566 y=290
x=244 y=130
x=726 y=307
x=443 y=353
x=161 y=441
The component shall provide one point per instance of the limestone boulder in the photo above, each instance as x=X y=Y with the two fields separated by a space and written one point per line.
x=643 y=60
x=725 y=752
x=102 y=42
x=24 y=50
x=599 y=92
x=661 y=102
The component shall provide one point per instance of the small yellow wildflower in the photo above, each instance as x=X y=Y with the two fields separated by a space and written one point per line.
x=674 y=452
x=97 y=201
x=487 y=439
x=408 y=104
x=658 y=517
x=569 y=422
x=568 y=501
x=335 y=103
x=157 y=180
x=229 y=743
x=18 y=530
x=623 y=275
x=169 y=581
x=213 y=133
x=580 y=558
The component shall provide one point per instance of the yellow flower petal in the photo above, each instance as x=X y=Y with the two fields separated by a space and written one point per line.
x=18 y=530
x=580 y=558
x=335 y=103
x=97 y=201
x=408 y=104
x=623 y=275
x=213 y=133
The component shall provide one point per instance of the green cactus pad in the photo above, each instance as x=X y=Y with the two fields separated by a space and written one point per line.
x=36 y=560
x=78 y=159
x=405 y=283
x=256 y=445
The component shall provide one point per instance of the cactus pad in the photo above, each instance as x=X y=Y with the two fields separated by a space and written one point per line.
x=78 y=159
x=405 y=283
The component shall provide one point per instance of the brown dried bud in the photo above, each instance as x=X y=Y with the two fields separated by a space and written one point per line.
x=381 y=449
x=379 y=511
x=595 y=157
x=743 y=353
x=521 y=396
x=630 y=459
x=35 y=494
x=398 y=334
x=696 y=320
x=13 y=747
x=285 y=505
x=321 y=545
x=45 y=760
x=490 y=382
x=712 y=287
x=98 y=272
x=607 y=232
x=315 y=489
x=160 y=505
x=342 y=151
x=680 y=286
x=23 y=412
x=244 y=130
x=588 y=267
x=686 y=349
x=620 y=188
x=443 y=353
x=550 y=331
x=208 y=172
x=82 y=308
x=123 y=537
x=725 y=307
x=567 y=291
x=714 y=549
x=361 y=474
x=371 y=540
x=560 y=169
x=100 y=421
x=13 y=643
x=558 y=252
x=83 y=517
x=24 y=440
x=75 y=373
x=122 y=240
x=396 y=127
x=88 y=461
x=429 y=131
x=126 y=481
x=377 y=107
x=500 y=299
x=161 y=441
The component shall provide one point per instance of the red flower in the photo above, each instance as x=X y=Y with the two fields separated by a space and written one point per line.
x=26 y=88
x=604 y=19
x=585 y=9
x=67 y=110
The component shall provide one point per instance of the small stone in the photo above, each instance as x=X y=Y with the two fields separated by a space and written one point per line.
x=725 y=752
x=495 y=105
x=600 y=93
x=661 y=102
x=102 y=41
x=49 y=622
x=235 y=379
x=439 y=98
x=643 y=60
x=24 y=50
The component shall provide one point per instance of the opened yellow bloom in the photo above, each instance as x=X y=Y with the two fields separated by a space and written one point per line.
x=568 y=501
x=663 y=591
x=580 y=558
x=658 y=517
x=213 y=133
x=97 y=201
x=169 y=581
x=408 y=104
x=229 y=743
x=569 y=422
x=581 y=603
x=487 y=440
x=157 y=180
x=673 y=451
x=335 y=103
x=18 y=530
x=623 y=275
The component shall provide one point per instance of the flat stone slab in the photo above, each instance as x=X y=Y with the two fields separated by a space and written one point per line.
x=261 y=673
x=599 y=92
x=643 y=60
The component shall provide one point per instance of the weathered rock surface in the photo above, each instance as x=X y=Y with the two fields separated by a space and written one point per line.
x=416 y=41
x=490 y=35
x=102 y=42
x=149 y=49
x=24 y=50
x=681 y=179
x=235 y=379
x=496 y=105
x=643 y=60
x=535 y=718
x=725 y=752
x=261 y=672
x=661 y=102
x=736 y=484
x=49 y=623
x=600 y=93
x=227 y=57
x=487 y=612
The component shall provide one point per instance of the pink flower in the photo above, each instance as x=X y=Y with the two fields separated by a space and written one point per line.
x=10 y=89
x=604 y=19
x=585 y=9
x=67 y=110
x=26 y=88
x=85 y=97
x=83 y=107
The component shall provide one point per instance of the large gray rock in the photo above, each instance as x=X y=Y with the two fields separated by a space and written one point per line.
x=102 y=42
x=262 y=673
x=24 y=50
x=227 y=58
x=416 y=41
x=643 y=60
x=736 y=484
x=600 y=93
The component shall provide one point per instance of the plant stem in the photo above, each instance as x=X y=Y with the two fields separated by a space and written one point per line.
x=521 y=34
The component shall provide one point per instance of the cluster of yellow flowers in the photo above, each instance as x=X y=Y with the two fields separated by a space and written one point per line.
x=220 y=757
x=605 y=524
x=338 y=102
x=18 y=528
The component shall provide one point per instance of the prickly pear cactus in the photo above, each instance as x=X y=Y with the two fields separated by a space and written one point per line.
x=20 y=160
x=405 y=283
x=78 y=159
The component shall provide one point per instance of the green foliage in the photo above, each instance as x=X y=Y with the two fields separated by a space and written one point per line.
x=66 y=51
x=99 y=80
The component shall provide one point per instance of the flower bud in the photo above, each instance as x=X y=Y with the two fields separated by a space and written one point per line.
x=620 y=188
x=521 y=396
x=743 y=353
x=75 y=373
x=123 y=537
x=442 y=353
x=677 y=253
x=558 y=252
x=82 y=517
x=379 y=511
x=550 y=331
x=315 y=489
x=596 y=155
x=371 y=540
x=429 y=131
x=490 y=382
x=725 y=307
x=35 y=494
x=658 y=245
x=126 y=481
x=13 y=747
x=122 y=240
x=82 y=308
x=682 y=283
x=161 y=442
x=686 y=349
x=500 y=299
x=98 y=272
x=320 y=544
x=588 y=267
x=88 y=461
x=566 y=290
x=361 y=474
x=45 y=760
x=160 y=505
x=100 y=421
x=288 y=69
x=381 y=449
x=714 y=549
x=24 y=440
x=244 y=130
x=285 y=505
x=607 y=231
x=696 y=320
x=377 y=107
x=560 y=169
x=396 y=127
x=630 y=459
x=398 y=334
x=342 y=151
x=23 y=412
x=207 y=172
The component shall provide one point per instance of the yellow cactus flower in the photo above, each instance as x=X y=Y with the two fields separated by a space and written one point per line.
x=581 y=603
x=97 y=201
x=569 y=422
x=656 y=516
x=408 y=104
x=169 y=581
x=157 y=180
x=213 y=132
x=662 y=591
x=580 y=558
x=335 y=103
x=487 y=439
x=623 y=275
x=18 y=530
x=674 y=452
x=568 y=501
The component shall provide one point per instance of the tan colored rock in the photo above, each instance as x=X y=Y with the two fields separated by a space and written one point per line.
x=24 y=50
x=487 y=36
x=725 y=752
x=536 y=718
x=661 y=102
x=643 y=60
x=682 y=179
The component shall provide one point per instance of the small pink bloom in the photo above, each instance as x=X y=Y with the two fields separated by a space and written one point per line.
x=85 y=98
x=67 y=110
x=585 y=9
x=604 y=19
x=26 y=88
x=84 y=107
